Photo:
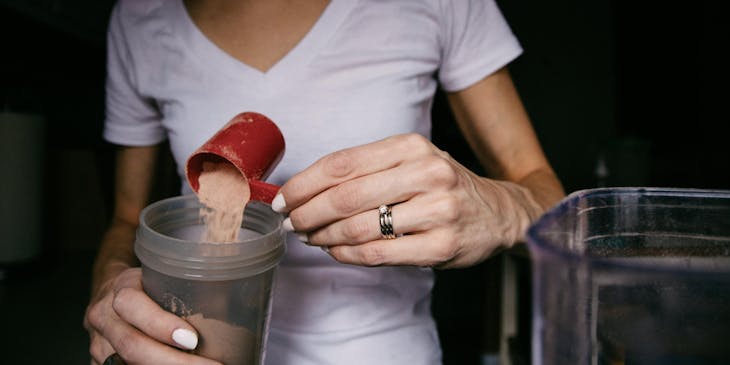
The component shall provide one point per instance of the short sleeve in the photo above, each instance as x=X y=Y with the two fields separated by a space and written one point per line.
x=131 y=118
x=476 y=41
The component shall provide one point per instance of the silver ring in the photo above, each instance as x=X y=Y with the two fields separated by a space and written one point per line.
x=386 y=222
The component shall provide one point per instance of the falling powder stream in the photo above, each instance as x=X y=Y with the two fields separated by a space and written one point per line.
x=224 y=193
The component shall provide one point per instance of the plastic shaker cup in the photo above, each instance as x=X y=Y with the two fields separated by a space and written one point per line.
x=223 y=290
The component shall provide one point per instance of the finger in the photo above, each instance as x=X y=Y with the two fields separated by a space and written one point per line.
x=427 y=249
x=113 y=335
x=100 y=315
x=99 y=348
x=351 y=163
x=431 y=174
x=129 y=342
x=137 y=348
x=422 y=213
x=139 y=310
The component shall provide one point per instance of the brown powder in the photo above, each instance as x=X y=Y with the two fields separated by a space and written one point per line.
x=224 y=342
x=224 y=192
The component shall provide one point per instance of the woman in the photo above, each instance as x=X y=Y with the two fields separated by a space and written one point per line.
x=350 y=84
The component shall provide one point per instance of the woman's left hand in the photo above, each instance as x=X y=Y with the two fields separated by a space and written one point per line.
x=443 y=215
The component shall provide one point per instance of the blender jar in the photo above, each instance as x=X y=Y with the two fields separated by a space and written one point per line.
x=632 y=276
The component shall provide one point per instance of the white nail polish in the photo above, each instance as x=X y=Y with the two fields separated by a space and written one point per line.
x=303 y=237
x=185 y=338
x=286 y=224
x=278 y=204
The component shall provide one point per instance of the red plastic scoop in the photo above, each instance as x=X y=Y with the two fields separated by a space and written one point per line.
x=252 y=143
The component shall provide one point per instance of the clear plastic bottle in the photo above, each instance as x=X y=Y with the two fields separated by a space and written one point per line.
x=222 y=289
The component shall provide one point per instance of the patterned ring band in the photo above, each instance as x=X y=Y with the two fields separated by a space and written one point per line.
x=386 y=222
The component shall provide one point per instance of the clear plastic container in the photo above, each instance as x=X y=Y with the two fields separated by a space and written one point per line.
x=222 y=289
x=632 y=276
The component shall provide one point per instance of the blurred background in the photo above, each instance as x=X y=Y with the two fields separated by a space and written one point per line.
x=621 y=94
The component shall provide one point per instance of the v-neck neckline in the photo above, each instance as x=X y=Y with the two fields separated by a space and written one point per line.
x=298 y=56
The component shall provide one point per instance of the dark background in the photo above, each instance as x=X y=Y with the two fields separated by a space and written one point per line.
x=641 y=85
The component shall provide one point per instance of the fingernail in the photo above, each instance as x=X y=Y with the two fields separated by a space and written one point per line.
x=114 y=359
x=286 y=224
x=278 y=204
x=303 y=237
x=185 y=338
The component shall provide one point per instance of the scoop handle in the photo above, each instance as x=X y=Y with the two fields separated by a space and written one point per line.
x=262 y=191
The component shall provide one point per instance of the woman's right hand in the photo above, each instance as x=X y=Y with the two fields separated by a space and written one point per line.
x=122 y=319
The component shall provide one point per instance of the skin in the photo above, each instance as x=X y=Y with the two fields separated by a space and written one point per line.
x=447 y=215
x=258 y=33
x=121 y=318
x=450 y=216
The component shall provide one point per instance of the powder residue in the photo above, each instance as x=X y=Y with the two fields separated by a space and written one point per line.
x=224 y=342
x=224 y=193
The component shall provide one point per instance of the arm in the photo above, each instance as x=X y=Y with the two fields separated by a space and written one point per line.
x=131 y=193
x=121 y=318
x=496 y=126
x=446 y=215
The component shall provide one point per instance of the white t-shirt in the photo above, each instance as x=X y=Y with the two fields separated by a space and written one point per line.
x=365 y=71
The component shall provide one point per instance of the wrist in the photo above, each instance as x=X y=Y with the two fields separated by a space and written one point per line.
x=105 y=273
x=516 y=209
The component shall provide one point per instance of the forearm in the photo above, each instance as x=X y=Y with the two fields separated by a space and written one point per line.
x=545 y=189
x=499 y=131
x=521 y=203
x=116 y=253
x=134 y=171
